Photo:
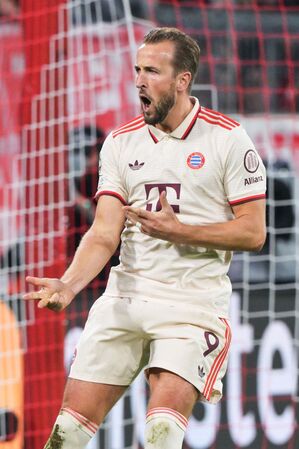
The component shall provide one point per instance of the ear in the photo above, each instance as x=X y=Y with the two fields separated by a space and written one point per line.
x=183 y=81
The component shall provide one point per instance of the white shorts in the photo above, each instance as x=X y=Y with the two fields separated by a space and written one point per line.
x=122 y=336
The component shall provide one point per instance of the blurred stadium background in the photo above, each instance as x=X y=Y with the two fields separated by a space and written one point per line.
x=66 y=79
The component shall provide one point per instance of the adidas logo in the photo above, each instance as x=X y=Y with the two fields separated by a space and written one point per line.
x=136 y=165
x=201 y=372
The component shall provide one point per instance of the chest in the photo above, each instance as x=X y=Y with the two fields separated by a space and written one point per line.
x=190 y=167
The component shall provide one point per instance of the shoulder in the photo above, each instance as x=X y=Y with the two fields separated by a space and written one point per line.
x=130 y=127
x=217 y=120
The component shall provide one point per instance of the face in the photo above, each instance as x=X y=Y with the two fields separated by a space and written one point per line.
x=156 y=81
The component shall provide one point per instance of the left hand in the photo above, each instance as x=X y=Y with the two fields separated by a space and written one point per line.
x=162 y=225
x=53 y=293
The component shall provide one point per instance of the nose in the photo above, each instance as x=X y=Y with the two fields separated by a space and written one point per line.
x=140 y=80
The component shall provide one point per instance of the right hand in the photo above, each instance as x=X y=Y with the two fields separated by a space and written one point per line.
x=53 y=293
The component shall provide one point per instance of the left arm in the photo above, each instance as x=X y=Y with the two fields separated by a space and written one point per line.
x=246 y=232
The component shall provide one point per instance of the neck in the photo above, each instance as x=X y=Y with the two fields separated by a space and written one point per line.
x=176 y=115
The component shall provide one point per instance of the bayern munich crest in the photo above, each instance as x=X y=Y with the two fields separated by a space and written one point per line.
x=195 y=160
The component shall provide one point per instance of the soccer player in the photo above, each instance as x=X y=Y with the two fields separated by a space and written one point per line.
x=181 y=186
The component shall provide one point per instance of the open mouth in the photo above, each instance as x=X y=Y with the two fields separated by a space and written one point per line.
x=145 y=102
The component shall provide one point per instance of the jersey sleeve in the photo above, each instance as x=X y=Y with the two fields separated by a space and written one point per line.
x=245 y=174
x=110 y=182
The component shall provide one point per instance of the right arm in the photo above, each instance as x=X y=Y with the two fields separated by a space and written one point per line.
x=95 y=250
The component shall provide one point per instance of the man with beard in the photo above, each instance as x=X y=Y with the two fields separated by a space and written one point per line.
x=182 y=187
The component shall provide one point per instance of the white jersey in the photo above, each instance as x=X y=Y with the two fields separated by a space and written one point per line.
x=206 y=165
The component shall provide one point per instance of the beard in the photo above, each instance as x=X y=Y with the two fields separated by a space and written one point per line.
x=161 y=110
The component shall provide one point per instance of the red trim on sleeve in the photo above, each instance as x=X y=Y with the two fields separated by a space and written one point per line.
x=132 y=122
x=247 y=199
x=110 y=193
x=225 y=117
x=127 y=130
x=216 y=122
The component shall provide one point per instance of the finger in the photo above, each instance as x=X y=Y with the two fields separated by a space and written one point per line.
x=55 y=306
x=137 y=223
x=46 y=299
x=32 y=295
x=130 y=209
x=143 y=214
x=163 y=200
x=53 y=303
x=140 y=213
x=131 y=217
x=43 y=303
x=39 y=282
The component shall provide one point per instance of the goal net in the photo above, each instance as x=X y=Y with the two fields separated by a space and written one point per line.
x=67 y=79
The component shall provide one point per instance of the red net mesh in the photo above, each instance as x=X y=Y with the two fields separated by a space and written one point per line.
x=249 y=50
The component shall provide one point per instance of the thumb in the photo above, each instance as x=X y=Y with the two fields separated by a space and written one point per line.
x=163 y=200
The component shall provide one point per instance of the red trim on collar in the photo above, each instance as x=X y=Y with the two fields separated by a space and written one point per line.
x=186 y=133
x=188 y=130
x=153 y=136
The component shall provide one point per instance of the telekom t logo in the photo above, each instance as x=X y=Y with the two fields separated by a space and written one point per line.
x=161 y=188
